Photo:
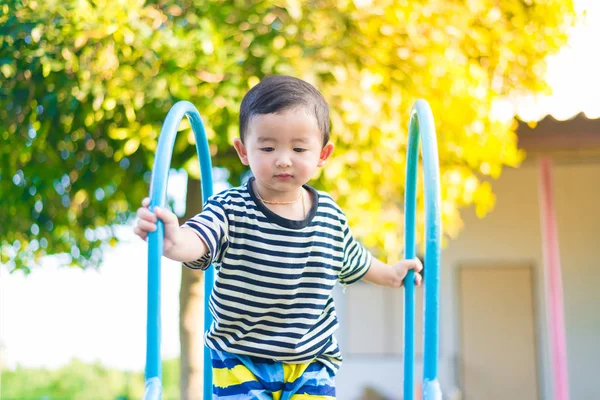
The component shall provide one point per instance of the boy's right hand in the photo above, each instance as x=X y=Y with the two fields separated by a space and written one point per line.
x=147 y=223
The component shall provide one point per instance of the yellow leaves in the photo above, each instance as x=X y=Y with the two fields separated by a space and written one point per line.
x=403 y=53
x=278 y=43
x=293 y=51
x=110 y=29
x=66 y=53
x=253 y=81
x=156 y=16
x=129 y=113
x=184 y=125
x=210 y=77
x=128 y=35
x=191 y=137
x=469 y=186
x=118 y=133
x=207 y=46
x=340 y=73
x=460 y=187
x=110 y=104
x=90 y=119
x=485 y=168
x=484 y=199
x=192 y=166
x=175 y=10
x=79 y=201
x=334 y=169
x=46 y=69
x=145 y=135
x=80 y=40
x=294 y=8
x=107 y=58
x=7 y=70
x=151 y=145
x=36 y=34
x=370 y=78
x=131 y=146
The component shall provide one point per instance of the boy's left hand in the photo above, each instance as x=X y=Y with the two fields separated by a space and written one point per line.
x=401 y=269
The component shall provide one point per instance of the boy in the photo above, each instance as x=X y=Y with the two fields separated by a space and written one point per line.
x=279 y=247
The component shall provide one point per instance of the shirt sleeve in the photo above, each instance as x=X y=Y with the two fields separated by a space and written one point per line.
x=211 y=225
x=357 y=259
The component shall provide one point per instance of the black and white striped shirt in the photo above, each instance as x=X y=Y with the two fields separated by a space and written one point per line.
x=272 y=296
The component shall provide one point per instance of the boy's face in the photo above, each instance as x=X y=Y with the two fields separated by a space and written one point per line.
x=283 y=150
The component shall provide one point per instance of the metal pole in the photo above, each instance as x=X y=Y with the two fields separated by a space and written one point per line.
x=422 y=131
x=158 y=194
x=553 y=279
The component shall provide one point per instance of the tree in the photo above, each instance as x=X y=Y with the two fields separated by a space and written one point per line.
x=87 y=84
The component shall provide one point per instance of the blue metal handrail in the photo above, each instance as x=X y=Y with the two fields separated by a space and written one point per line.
x=422 y=131
x=158 y=196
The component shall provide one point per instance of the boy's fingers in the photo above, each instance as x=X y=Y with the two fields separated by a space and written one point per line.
x=143 y=235
x=414 y=264
x=165 y=215
x=418 y=265
x=146 y=226
x=159 y=213
x=418 y=279
x=144 y=213
x=146 y=201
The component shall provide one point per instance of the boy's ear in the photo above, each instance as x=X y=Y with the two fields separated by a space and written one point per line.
x=326 y=152
x=241 y=150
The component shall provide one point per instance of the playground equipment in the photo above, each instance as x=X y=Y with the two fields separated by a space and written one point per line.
x=421 y=131
x=158 y=194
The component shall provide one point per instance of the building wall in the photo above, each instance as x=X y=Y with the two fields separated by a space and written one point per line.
x=510 y=234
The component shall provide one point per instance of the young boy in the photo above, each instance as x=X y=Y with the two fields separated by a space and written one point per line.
x=279 y=247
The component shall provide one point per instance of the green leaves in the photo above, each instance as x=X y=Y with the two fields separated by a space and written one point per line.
x=80 y=380
x=86 y=85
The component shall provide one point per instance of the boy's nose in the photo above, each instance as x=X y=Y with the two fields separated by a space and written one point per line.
x=283 y=161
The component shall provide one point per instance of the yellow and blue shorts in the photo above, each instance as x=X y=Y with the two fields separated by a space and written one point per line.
x=239 y=377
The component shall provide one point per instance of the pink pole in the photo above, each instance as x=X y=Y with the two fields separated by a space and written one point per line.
x=554 y=289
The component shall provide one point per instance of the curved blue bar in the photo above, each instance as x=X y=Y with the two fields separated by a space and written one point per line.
x=158 y=194
x=422 y=127
x=410 y=200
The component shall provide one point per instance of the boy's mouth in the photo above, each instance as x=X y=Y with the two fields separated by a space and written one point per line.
x=283 y=176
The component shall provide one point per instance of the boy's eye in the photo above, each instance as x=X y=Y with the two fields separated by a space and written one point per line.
x=299 y=150
x=267 y=149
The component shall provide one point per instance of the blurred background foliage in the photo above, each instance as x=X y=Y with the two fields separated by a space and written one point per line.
x=86 y=85
x=80 y=380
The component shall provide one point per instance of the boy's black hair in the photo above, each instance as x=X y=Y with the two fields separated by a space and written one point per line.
x=279 y=93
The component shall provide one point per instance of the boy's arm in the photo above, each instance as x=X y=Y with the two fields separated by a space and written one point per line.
x=187 y=246
x=180 y=244
x=382 y=274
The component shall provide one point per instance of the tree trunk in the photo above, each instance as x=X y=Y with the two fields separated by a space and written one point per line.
x=191 y=313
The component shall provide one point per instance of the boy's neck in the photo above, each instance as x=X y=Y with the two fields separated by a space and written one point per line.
x=288 y=207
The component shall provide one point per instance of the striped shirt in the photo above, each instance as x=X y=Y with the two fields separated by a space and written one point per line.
x=272 y=296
